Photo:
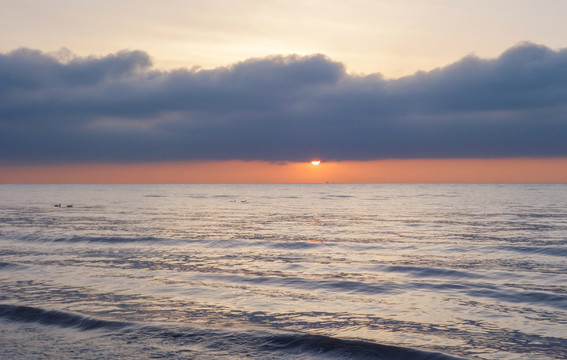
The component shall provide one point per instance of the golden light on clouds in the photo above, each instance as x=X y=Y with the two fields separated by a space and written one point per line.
x=392 y=37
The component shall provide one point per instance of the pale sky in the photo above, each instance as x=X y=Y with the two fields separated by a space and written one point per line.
x=391 y=37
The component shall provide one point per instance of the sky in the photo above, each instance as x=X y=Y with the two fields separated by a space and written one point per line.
x=252 y=91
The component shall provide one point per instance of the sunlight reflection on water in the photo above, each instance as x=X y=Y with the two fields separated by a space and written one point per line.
x=470 y=270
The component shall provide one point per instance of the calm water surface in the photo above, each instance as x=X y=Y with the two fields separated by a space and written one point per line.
x=283 y=271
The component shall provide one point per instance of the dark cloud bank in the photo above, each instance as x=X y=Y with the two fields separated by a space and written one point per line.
x=119 y=109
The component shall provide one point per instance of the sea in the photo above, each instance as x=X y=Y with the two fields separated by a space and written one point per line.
x=283 y=271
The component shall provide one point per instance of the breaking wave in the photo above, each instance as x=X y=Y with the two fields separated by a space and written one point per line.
x=261 y=343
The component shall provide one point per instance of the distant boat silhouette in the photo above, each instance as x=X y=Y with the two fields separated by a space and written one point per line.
x=57 y=205
x=243 y=200
x=70 y=205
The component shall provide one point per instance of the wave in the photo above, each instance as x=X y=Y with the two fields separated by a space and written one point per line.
x=107 y=239
x=260 y=344
x=560 y=251
x=38 y=237
x=45 y=238
x=558 y=301
x=27 y=314
x=5 y=265
x=343 y=348
x=210 y=243
x=417 y=271
x=292 y=245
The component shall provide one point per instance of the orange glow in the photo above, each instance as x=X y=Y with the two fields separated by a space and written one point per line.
x=382 y=171
x=316 y=162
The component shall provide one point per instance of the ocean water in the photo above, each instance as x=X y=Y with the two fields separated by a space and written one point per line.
x=322 y=271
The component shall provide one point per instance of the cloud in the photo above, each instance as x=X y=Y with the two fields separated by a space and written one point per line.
x=59 y=108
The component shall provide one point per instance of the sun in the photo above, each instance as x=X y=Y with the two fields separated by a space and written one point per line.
x=316 y=162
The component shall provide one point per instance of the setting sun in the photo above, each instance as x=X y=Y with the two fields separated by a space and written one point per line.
x=316 y=162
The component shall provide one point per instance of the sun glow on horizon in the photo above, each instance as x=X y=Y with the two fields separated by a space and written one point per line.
x=379 y=171
x=315 y=162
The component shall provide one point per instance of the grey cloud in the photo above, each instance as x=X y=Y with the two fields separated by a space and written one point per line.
x=118 y=108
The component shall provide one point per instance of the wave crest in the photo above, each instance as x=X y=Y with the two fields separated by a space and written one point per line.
x=27 y=314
